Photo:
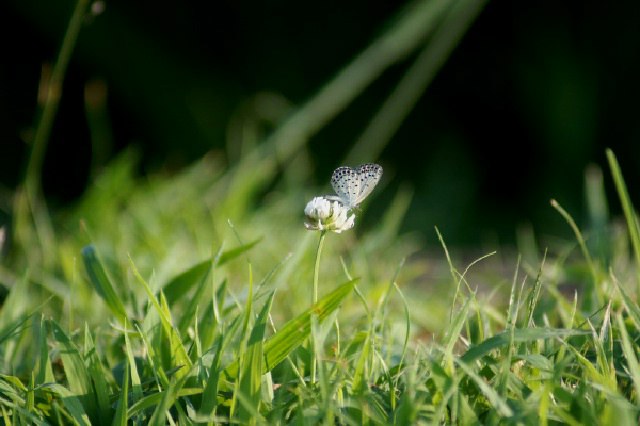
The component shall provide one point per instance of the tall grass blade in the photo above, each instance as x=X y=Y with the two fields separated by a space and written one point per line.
x=629 y=351
x=97 y=374
x=120 y=417
x=210 y=392
x=75 y=371
x=251 y=373
x=534 y=294
x=296 y=331
x=361 y=373
x=136 y=384
x=385 y=123
x=180 y=285
x=591 y=296
x=43 y=370
x=102 y=284
x=453 y=331
x=627 y=207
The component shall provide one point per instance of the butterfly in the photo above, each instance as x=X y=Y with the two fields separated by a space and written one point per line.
x=353 y=185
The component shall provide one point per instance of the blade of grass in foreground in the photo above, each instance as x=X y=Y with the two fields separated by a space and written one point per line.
x=179 y=357
x=295 y=332
x=102 y=283
x=182 y=283
x=251 y=374
x=71 y=402
x=76 y=374
x=96 y=372
x=629 y=354
x=519 y=335
x=120 y=418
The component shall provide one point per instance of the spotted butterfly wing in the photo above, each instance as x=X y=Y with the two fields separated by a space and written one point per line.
x=353 y=185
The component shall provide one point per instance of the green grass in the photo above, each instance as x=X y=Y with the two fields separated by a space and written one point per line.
x=191 y=298
x=158 y=311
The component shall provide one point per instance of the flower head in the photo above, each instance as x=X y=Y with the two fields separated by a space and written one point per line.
x=323 y=214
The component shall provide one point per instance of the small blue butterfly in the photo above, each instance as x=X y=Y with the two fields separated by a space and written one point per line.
x=353 y=185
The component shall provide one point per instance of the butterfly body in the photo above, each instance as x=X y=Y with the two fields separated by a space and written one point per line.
x=353 y=185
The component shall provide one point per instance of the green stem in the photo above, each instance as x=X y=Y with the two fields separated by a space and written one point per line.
x=316 y=270
x=316 y=273
x=35 y=204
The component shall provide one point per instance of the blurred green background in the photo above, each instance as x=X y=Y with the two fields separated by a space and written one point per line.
x=534 y=93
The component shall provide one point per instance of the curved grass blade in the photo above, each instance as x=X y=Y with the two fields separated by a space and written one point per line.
x=102 y=283
x=79 y=398
x=235 y=252
x=180 y=285
x=629 y=353
x=295 y=332
x=627 y=206
x=70 y=401
x=519 y=335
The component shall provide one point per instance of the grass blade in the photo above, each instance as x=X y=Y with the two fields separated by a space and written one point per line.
x=76 y=373
x=629 y=212
x=102 y=283
x=591 y=296
x=251 y=373
x=630 y=305
x=180 y=285
x=629 y=354
x=519 y=335
x=71 y=402
x=97 y=375
x=178 y=354
x=492 y=396
x=120 y=417
x=295 y=332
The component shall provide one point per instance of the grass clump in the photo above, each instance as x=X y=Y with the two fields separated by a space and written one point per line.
x=154 y=318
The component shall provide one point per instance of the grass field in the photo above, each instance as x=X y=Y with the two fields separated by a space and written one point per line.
x=191 y=298
x=154 y=308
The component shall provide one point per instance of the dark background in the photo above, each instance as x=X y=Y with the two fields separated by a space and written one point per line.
x=533 y=94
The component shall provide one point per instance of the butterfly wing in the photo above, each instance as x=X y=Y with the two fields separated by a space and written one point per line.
x=354 y=185
x=368 y=176
x=346 y=184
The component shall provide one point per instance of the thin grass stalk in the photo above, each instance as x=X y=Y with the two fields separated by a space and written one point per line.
x=627 y=206
x=386 y=122
x=414 y=24
x=51 y=92
x=316 y=274
x=591 y=295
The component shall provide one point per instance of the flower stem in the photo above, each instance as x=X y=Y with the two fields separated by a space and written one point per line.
x=316 y=270
x=316 y=273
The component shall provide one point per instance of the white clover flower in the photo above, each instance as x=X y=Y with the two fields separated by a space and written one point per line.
x=323 y=214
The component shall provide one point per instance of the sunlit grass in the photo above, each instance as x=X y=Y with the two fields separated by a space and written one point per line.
x=201 y=298
x=161 y=311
